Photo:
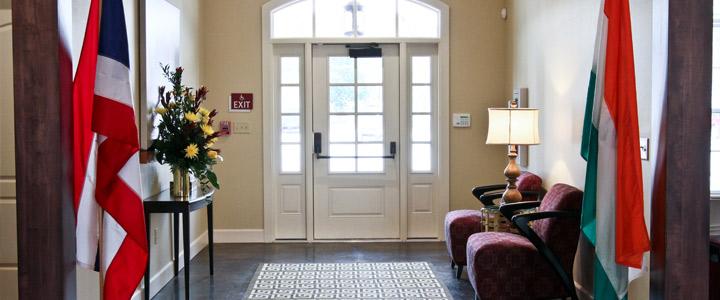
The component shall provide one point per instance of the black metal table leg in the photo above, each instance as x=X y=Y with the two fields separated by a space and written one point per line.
x=186 y=250
x=147 y=267
x=210 y=235
x=176 y=243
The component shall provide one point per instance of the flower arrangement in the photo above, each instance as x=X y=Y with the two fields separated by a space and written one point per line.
x=186 y=137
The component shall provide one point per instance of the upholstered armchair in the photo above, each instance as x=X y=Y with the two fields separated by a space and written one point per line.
x=461 y=224
x=536 y=264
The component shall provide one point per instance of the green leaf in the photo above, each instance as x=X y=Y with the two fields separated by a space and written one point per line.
x=213 y=179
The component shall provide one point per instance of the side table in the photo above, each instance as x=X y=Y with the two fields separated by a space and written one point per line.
x=494 y=221
x=164 y=202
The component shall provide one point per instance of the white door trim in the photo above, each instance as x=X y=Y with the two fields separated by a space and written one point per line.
x=270 y=114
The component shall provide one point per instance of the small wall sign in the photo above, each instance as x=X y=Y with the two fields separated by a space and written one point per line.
x=241 y=102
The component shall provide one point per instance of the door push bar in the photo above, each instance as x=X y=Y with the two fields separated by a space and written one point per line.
x=317 y=149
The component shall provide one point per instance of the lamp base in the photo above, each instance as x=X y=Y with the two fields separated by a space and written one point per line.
x=512 y=172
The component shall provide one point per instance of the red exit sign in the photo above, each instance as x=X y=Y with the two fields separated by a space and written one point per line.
x=242 y=102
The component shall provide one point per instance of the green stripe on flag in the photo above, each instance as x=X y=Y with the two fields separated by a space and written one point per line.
x=589 y=152
x=603 y=289
x=588 y=125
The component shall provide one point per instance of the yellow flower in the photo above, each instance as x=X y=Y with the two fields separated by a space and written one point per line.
x=205 y=119
x=207 y=129
x=203 y=111
x=191 y=151
x=212 y=154
x=211 y=142
x=192 y=117
x=161 y=110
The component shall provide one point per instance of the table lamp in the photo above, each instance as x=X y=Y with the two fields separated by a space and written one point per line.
x=512 y=126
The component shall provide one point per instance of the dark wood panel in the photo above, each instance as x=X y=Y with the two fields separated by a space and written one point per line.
x=43 y=91
x=680 y=212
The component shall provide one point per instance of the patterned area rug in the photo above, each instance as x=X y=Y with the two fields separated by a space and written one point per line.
x=390 y=281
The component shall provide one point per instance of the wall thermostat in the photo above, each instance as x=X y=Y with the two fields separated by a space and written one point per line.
x=461 y=120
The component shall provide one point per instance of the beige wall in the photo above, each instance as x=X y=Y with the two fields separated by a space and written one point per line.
x=8 y=238
x=551 y=48
x=232 y=60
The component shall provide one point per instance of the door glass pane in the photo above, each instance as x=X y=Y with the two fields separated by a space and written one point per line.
x=421 y=130
x=416 y=19
x=342 y=69
x=290 y=70
x=370 y=70
x=342 y=99
x=290 y=99
x=292 y=21
x=342 y=165
x=342 y=128
x=342 y=150
x=333 y=18
x=370 y=149
x=370 y=165
x=290 y=158
x=421 y=158
x=421 y=99
x=376 y=18
x=370 y=99
x=421 y=69
x=370 y=128
x=290 y=132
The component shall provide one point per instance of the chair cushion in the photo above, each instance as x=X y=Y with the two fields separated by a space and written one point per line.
x=507 y=266
x=459 y=226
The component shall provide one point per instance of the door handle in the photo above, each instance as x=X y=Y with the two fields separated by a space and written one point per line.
x=317 y=143
x=317 y=150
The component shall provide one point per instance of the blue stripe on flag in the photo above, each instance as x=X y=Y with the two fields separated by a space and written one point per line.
x=113 y=34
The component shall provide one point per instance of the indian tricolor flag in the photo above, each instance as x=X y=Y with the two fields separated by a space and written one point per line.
x=612 y=215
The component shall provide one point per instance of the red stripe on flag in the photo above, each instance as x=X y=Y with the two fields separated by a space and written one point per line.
x=125 y=271
x=114 y=195
x=631 y=238
x=83 y=93
x=114 y=119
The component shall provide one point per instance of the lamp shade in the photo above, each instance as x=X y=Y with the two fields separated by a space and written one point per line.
x=513 y=126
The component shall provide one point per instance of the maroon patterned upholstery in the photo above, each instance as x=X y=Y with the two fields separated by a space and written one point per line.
x=461 y=224
x=507 y=266
x=529 y=182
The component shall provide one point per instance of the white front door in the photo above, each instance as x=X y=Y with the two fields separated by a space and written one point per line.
x=356 y=134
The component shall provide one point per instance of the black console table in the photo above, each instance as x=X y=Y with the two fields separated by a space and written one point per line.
x=164 y=202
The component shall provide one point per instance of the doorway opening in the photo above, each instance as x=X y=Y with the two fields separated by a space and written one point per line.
x=356 y=126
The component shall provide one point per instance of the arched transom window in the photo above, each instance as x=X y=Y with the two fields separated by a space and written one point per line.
x=355 y=19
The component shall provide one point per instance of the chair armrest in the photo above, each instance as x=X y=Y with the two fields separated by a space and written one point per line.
x=522 y=222
x=508 y=210
x=478 y=191
x=539 y=194
x=488 y=198
x=529 y=217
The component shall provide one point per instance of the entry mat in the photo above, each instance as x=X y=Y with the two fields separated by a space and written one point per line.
x=388 y=281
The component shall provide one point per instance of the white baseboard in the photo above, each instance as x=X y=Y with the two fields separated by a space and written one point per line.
x=715 y=229
x=238 y=236
x=160 y=278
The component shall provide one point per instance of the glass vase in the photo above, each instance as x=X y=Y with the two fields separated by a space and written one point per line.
x=181 y=185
